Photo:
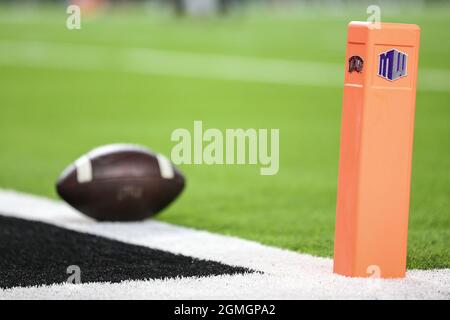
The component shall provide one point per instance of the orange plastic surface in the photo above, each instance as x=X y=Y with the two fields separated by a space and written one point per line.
x=376 y=154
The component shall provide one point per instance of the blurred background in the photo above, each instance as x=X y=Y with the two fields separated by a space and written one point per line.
x=137 y=70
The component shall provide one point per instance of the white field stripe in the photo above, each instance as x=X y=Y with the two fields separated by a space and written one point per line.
x=286 y=274
x=196 y=65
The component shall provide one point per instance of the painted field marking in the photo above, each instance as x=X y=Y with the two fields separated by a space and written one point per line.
x=192 y=65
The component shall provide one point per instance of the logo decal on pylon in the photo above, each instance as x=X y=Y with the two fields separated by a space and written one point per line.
x=392 y=64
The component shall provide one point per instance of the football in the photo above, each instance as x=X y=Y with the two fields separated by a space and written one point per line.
x=120 y=182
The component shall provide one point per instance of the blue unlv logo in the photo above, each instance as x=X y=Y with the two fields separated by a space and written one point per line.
x=392 y=64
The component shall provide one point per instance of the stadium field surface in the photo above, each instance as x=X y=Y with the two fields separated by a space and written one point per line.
x=135 y=76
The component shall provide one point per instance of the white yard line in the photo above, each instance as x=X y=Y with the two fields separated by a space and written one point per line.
x=193 y=65
x=285 y=275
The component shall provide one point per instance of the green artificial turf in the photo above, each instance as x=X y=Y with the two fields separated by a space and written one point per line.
x=51 y=115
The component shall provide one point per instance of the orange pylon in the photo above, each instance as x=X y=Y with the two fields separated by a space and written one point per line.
x=376 y=149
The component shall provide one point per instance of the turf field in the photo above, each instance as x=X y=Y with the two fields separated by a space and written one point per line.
x=64 y=92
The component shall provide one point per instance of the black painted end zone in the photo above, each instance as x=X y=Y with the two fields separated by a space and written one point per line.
x=34 y=253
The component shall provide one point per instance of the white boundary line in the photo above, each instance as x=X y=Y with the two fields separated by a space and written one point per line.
x=287 y=275
x=194 y=65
